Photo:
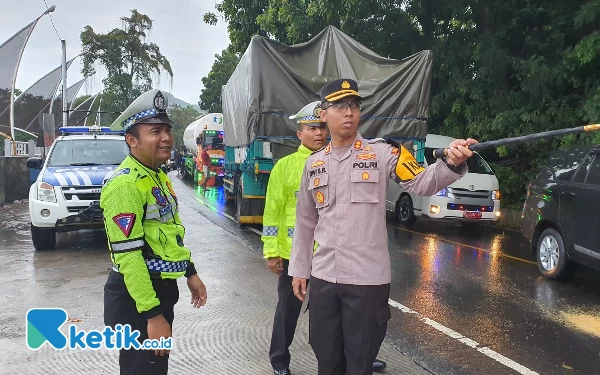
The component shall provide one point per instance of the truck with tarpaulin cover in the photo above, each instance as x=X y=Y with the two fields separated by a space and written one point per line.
x=273 y=80
x=205 y=133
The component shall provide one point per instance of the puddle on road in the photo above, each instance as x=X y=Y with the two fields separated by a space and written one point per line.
x=587 y=323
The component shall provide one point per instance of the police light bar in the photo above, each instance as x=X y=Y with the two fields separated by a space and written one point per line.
x=88 y=130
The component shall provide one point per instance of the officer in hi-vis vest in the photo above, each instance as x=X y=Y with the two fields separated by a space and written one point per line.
x=145 y=236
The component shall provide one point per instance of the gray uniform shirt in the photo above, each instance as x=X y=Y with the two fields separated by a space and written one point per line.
x=341 y=207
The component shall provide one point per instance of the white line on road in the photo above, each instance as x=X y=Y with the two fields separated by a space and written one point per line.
x=465 y=340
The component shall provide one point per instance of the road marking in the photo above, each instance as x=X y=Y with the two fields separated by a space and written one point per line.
x=465 y=245
x=465 y=340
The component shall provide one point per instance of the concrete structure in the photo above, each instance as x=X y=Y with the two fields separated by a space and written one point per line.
x=14 y=179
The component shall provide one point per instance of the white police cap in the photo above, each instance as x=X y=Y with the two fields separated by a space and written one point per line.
x=309 y=115
x=150 y=107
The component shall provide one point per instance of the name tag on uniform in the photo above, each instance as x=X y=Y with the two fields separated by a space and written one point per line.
x=165 y=210
x=317 y=171
x=365 y=165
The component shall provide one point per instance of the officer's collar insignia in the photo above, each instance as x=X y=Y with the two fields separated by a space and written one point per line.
x=328 y=149
x=125 y=222
x=160 y=102
x=345 y=85
x=358 y=145
x=160 y=199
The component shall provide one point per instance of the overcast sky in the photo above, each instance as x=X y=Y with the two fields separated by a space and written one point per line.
x=187 y=42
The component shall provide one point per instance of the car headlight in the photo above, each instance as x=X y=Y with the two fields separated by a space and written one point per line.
x=45 y=192
x=445 y=192
x=495 y=195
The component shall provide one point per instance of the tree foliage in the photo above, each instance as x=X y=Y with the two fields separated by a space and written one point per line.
x=223 y=67
x=129 y=60
x=501 y=68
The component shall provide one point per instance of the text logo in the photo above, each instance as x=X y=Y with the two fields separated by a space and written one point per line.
x=43 y=326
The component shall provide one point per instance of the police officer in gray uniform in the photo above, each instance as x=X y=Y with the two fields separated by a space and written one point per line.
x=341 y=207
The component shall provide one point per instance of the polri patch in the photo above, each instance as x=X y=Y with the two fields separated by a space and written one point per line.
x=160 y=199
x=125 y=222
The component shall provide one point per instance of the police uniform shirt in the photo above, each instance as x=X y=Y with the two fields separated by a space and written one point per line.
x=341 y=207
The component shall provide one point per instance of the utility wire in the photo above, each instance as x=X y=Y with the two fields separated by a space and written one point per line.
x=51 y=20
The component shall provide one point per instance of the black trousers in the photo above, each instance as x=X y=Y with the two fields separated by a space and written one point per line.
x=347 y=325
x=286 y=319
x=119 y=308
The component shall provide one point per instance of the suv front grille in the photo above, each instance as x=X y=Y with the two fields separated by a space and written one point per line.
x=81 y=193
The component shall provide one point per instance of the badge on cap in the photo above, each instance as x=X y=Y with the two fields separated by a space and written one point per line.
x=345 y=85
x=160 y=102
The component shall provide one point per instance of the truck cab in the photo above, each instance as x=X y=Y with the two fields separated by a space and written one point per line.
x=205 y=133
x=66 y=194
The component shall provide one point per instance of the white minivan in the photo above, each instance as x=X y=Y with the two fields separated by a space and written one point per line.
x=472 y=199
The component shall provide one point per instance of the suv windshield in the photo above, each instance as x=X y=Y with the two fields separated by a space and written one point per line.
x=88 y=152
x=475 y=163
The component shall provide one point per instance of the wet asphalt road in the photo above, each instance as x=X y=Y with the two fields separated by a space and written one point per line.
x=483 y=287
x=460 y=298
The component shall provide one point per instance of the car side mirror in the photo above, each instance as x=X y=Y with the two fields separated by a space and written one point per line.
x=34 y=163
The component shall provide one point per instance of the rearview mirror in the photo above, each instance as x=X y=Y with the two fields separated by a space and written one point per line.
x=34 y=163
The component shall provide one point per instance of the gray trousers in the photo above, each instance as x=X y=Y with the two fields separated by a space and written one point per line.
x=347 y=325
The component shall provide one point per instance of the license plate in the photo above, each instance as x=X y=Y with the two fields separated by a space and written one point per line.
x=472 y=215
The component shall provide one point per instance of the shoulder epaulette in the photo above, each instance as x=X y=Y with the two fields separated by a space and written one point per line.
x=391 y=141
x=375 y=140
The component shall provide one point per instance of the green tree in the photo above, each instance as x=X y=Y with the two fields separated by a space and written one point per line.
x=80 y=99
x=129 y=60
x=181 y=117
x=222 y=69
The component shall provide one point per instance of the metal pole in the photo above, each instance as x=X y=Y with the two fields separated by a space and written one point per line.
x=64 y=82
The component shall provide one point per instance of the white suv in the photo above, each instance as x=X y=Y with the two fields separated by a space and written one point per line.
x=472 y=199
x=65 y=196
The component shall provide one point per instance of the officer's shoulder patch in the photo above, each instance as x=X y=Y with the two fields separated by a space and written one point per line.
x=121 y=172
x=118 y=173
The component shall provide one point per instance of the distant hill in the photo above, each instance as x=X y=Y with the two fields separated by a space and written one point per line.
x=174 y=101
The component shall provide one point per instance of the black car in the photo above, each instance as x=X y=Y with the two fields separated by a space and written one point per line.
x=561 y=214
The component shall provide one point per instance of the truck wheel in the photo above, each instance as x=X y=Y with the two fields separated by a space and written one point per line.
x=239 y=196
x=405 y=211
x=43 y=238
